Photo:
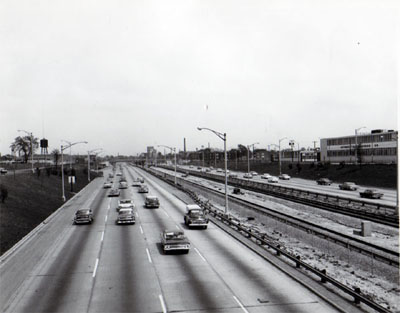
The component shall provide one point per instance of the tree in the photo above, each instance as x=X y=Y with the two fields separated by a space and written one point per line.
x=23 y=145
x=56 y=155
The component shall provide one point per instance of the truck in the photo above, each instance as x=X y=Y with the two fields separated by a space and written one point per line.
x=195 y=216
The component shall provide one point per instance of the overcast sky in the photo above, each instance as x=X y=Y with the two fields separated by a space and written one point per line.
x=124 y=75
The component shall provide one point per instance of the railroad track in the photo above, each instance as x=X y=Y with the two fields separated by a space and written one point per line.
x=375 y=212
x=251 y=238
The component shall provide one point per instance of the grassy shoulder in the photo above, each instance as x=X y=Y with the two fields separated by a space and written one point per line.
x=30 y=200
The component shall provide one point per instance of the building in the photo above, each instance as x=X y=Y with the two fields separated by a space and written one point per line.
x=378 y=146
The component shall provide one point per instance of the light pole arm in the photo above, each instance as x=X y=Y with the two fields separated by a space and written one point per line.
x=220 y=135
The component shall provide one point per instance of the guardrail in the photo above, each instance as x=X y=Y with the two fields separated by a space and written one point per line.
x=261 y=240
x=376 y=212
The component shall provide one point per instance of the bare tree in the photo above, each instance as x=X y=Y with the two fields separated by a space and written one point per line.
x=56 y=155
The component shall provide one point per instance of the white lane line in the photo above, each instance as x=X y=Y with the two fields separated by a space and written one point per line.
x=164 y=309
x=108 y=207
x=141 y=229
x=137 y=215
x=95 y=267
x=241 y=305
x=148 y=255
x=198 y=252
x=177 y=226
x=166 y=213
x=102 y=235
x=105 y=219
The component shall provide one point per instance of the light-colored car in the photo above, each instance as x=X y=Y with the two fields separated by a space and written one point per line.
x=107 y=184
x=174 y=240
x=114 y=193
x=284 y=177
x=254 y=173
x=125 y=216
x=125 y=204
x=324 y=181
x=273 y=179
x=348 y=186
x=123 y=185
x=3 y=170
x=265 y=176
x=195 y=216
x=143 y=189
x=247 y=175
x=83 y=216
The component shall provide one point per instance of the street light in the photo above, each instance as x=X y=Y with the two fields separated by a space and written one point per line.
x=31 y=136
x=280 y=163
x=62 y=164
x=70 y=152
x=172 y=150
x=223 y=137
x=89 y=152
x=356 y=132
x=248 y=155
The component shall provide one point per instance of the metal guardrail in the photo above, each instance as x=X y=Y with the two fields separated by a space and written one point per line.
x=355 y=293
x=376 y=212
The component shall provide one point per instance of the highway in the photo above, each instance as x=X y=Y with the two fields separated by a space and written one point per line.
x=104 y=267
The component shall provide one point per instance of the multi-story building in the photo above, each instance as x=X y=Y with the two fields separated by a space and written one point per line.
x=378 y=146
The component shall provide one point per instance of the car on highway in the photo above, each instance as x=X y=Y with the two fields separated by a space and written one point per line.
x=119 y=174
x=237 y=191
x=324 y=181
x=195 y=216
x=233 y=175
x=186 y=174
x=125 y=216
x=371 y=194
x=140 y=179
x=123 y=178
x=136 y=183
x=114 y=193
x=284 y=177
x=219 y=170
x=107 y=184
x=3 y=170
x=83 y=216
x=125 y=204
x=247 y=175
x=265 y=176
x=123 y=185
x=111 y=175
x=253 y=173
x=348 y=186
x=174 y=240
x=151 y=202
x=143 y=189
x=273 y=179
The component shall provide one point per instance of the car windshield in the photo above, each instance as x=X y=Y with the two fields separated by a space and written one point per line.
x=196 y=213
x=82 y=212
x=125 y=212
x=125 y=201
x=172 y=236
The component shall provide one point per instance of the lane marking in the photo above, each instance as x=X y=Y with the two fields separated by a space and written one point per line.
x=241 y=305
x=177 y=227
x=108 y=207
x=95 y=267
x=166 y=213
x=198 y=252
x=141 y=229
x=164 y=309
x=148 y=255
x=102 y=236
x=105 y=219
x=137 y=215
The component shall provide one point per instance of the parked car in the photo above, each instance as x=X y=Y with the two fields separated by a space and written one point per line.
x=265 y=176
x=371 y=194
x=273 y=179
x=151 y=202
x=3 y=170
x=195 y=216
x=247 y=175
x=107 y=184
x=125 y=204
x=143 y=189
x=174 y=240
x=83 y=216
x=114 y=193
x=284 y=177
x=237 y=191
x=125 y=216
x=123 y=185
x=324 y=181
x=348 y=186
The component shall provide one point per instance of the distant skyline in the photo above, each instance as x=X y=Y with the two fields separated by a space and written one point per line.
x=127 y=75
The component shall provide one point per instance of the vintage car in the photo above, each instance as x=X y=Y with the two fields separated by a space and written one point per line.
x=174 y=240
x=233 y=175
x=143 y=189
x=348 y=186
x=125 y=216
x=123 y=185
x=151 y=202
x=119 y=174
x=83 y=216
x=114 y=193
x=248 y=175
x=125 y=204
x=123 y=178
x=195 y=216
x=284 y=177
x=136 y=183
x=324 y=181
x=3 y=170
x=237 y=191
x=107 y=184
x=111 y=175
x=273 y=179
x=371 y=194
x=265 y=176
x=253 y=173
x=186 y=174
x=140 y=179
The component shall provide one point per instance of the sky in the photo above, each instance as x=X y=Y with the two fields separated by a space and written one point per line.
x=126 y=74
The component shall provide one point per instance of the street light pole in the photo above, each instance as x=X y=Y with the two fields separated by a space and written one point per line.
x=174 y=150
x=356 y=133
x=280 y=163
x=89 y=152
x=223 y=137
x=248 y=155
x=70 y=152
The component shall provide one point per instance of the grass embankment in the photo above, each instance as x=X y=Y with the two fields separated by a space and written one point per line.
x=31 y=199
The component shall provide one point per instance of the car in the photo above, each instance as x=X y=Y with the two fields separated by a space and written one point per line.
x=174 y=240
x=125 y=204
x=111 y=175
x=219 y=170
x=151 y=202
x=199 y=167
x=83 y=216
x=136 y=183
x=253 y=173
x=233 y=175
x=119 y=174
x=371 y=194
x=140 y=179
x=348 y=186
x=273 y=179
x=195 y=216
x=143 y=189
x=185 y=174
x=247 y=175
x=123 y=185
x=122 y=179
x=114 y=193
x=191 y=166
x=125 y=216
x=265 y=176
x=324 y=181
x=284 y=177
x=3 y=170
x=107 y=184
x=237 y=191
